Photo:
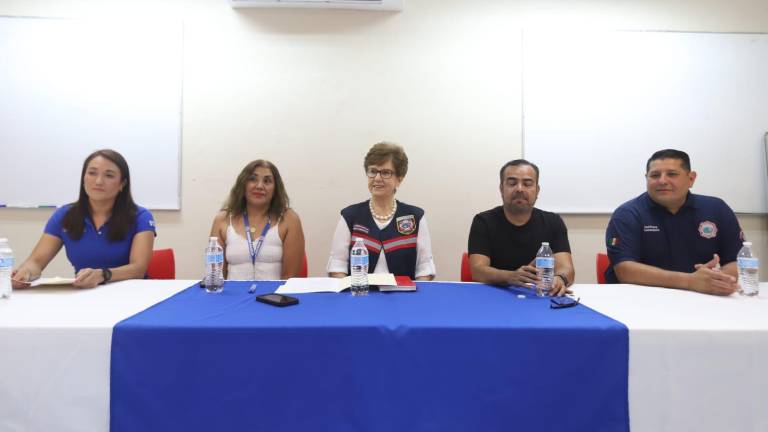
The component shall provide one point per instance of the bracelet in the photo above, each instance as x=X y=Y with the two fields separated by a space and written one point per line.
x=565 y=279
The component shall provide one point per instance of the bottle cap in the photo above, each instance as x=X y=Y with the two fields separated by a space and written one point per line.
x=745 y=243
x=545 y=243
x=3 y=240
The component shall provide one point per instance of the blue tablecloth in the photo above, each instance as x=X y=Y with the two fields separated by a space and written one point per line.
x=450 y=357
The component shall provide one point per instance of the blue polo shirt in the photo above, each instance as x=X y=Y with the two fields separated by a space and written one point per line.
x=94 y=249
x=643 y=231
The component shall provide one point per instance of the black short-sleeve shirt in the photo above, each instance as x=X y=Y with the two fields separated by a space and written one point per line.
x=510 y=246
x=643 y=231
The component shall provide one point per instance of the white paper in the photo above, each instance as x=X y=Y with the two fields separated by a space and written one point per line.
x=329 y=284
x=52 y=281
x=310 y=285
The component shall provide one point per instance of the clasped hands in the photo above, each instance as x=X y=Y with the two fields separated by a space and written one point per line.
x=528 y=275
x=709 y=279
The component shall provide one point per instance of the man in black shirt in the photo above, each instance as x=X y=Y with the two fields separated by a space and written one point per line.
x=503 y=241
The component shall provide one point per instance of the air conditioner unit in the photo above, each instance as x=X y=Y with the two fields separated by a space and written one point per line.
x=384 y=5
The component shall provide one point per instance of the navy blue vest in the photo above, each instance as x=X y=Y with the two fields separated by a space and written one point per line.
x=398 y=239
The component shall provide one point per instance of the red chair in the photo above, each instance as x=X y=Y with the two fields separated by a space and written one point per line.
x=304 y=270
x=466 y=270
x=601 y=265
x=162 y=265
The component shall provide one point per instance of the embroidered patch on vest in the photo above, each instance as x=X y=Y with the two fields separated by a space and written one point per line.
x=708 y=229
x=406 y=224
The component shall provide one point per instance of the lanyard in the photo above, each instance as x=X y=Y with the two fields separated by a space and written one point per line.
x=254 y=251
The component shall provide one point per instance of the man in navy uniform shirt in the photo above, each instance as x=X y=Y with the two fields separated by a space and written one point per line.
x=669 y=237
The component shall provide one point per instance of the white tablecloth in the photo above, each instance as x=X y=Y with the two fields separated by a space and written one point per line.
x=696 y=361
x=55 y=352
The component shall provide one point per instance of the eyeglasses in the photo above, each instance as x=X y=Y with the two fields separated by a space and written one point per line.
x=563 y=302
x=385 y=173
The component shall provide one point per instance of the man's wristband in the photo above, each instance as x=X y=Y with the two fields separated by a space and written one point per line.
x=565 y=279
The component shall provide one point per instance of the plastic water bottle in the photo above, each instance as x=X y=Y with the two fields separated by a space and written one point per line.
x=545 y=263
x=6 y=268
x=749 y=267
x=214 y=266
x=358 y=263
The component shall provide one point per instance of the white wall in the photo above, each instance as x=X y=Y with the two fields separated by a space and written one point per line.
x=312 y=90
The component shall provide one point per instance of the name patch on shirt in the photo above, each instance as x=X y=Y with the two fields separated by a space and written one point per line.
x=651 y=228
x=406 y=224
x=708 y=229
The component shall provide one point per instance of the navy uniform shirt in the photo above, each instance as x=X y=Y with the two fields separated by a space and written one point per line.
x=643 y=231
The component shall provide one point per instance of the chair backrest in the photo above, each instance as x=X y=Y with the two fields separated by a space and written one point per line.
x=304 y=267
x=162 y=265
x=466 y=270
x=601 y=265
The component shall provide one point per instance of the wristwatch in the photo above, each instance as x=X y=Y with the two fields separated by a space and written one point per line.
x=106 y=274
x=565 y=279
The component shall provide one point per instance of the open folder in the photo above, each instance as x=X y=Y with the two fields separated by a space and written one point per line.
x=385 y=282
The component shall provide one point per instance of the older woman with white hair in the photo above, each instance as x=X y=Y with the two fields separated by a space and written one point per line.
x=395 y=233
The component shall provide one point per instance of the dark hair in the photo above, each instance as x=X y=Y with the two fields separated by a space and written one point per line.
x=518 y=162
x=123 y=212
x=236 y=204
x=670 y=154
x=382 y=152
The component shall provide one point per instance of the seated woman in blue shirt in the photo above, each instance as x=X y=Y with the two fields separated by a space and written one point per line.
x=107 y=237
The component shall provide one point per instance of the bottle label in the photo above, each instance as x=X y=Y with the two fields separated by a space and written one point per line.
x=545 y=262
x=6 y=262
x=359 y=260
x=214 y=258
x=749 y=263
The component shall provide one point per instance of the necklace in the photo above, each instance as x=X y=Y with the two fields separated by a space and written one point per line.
x=383 y=217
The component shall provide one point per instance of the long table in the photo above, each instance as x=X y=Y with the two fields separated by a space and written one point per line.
x=695 y=361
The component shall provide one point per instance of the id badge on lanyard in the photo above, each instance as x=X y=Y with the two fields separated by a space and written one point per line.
x=254 y=250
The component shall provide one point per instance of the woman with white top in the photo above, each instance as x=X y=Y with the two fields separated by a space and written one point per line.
x=261 y=235
x=394 y=232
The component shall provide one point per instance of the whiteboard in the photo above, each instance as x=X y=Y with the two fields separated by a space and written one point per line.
x=596 y=105
x=68 y=88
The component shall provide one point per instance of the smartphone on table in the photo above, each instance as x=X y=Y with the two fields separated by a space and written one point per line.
x=277 y=299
